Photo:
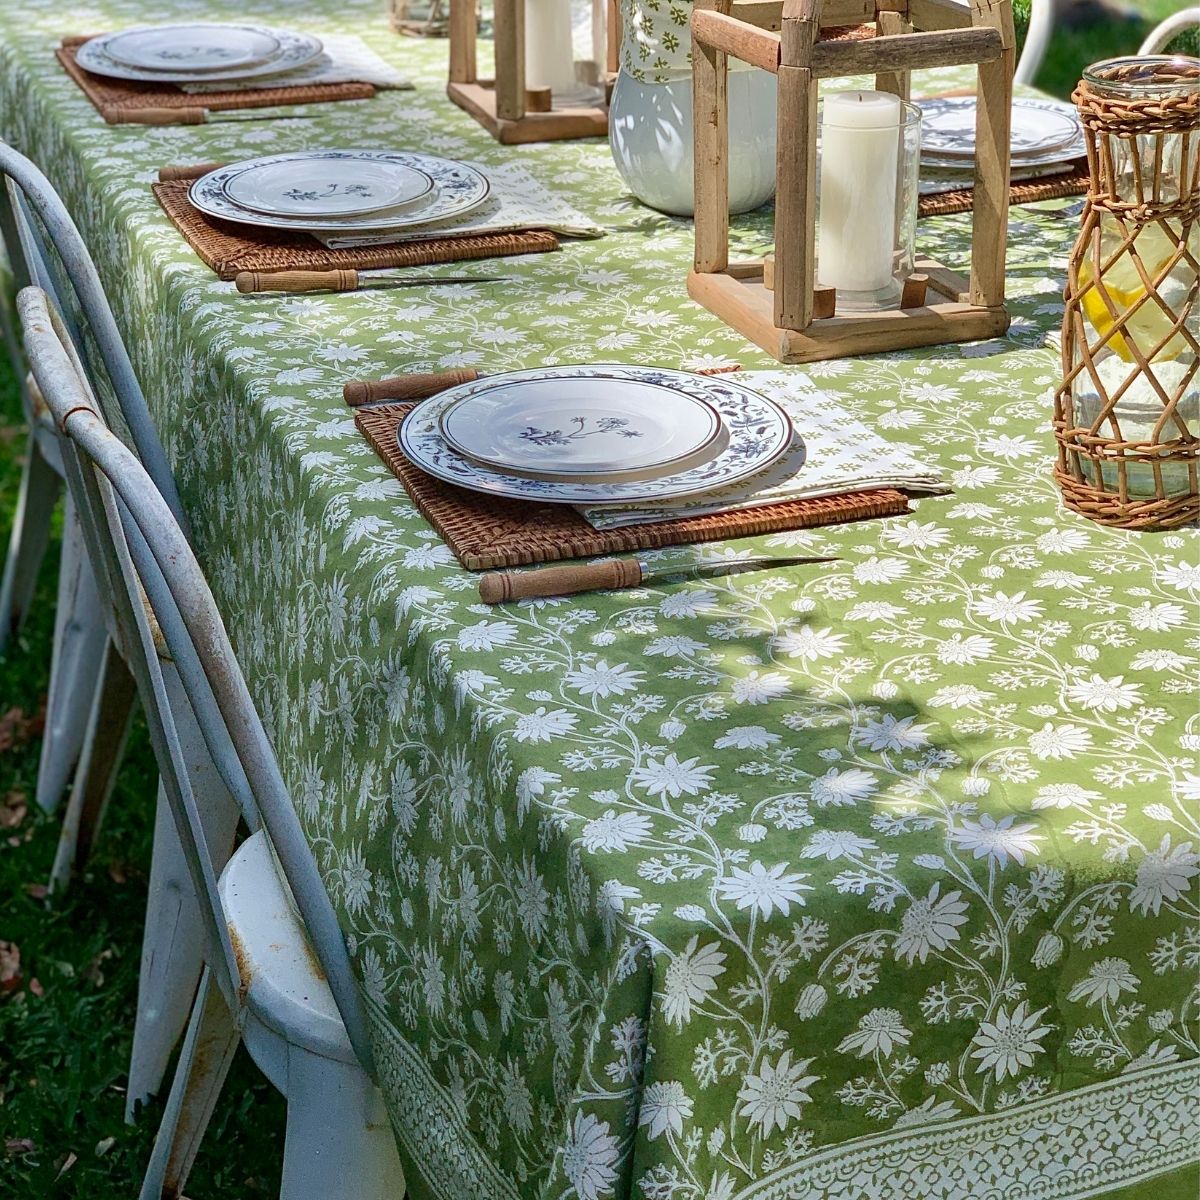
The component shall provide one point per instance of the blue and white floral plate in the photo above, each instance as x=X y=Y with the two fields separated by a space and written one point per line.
x=295 y=50
x=456 y=189
x=755 y=432
x=196 y=47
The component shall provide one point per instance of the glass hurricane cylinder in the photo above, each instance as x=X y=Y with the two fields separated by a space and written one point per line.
x=1127 y=414
x=868 y=177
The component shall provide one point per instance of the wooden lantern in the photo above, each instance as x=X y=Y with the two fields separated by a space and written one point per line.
x=419 y=18
x=508 y=110
x=777 y=304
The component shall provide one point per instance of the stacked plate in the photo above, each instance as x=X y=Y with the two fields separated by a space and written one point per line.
x=596 y=434
x=197 y=52
x=341 y=191
x=1044 y=133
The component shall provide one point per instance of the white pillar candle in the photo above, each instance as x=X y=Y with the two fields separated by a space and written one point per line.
x=549 y=47
x=860 y=150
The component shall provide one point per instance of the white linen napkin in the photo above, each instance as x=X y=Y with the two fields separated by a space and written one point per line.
x=517 y=201
x=839 y=454
x=346 y=58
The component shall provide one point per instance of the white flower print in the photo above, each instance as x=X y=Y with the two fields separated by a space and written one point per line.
x=1164 y=875
x=880 y=570
x=1157 y=617
x=1098 y=694
x=930 y=923
x=615 y=831
x=759 y=688
x=773 y=1097
x=880 y=1031
x=811 y=1002
x=1105 y=981
x=590 y=1157
x=664 y=1106
x=1183 y=576
x=486 y=635
x=603 y=681
x=914 y=534
x=543 y=725
x=672 y=777
x=1007 y=1044
x=356 y=880
x=958 y=695
x=833 y=844
x=837 y=788
x=809 y=644
x=1007 y=610
x=996 y=840
x=762 y=890
x=1060 y=741
x=962 y=651
x=533 y=900
x=675 y=646
x=1064 y=795
x=893 y=733
x=689 y=978
x=688 y=603
x=746 y=737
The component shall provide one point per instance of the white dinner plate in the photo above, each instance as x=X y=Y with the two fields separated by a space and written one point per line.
x=759 y=432
x=312 y=185
x=1039 y=127
x=295 y=50
x=193 y=47
x=457 y=188
x=585 y=428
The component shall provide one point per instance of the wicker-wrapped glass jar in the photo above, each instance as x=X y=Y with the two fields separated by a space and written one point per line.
x=420 y=18
x=1127 y=415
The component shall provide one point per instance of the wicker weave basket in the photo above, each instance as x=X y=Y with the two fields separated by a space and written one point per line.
x=420 y=18
x=1127 y=414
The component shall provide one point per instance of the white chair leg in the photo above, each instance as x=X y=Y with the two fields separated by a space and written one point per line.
x=103 y=749
x=173 y=940
x=204 y=1061
x=339 y=1143
x=36 y=498
x=80 y=642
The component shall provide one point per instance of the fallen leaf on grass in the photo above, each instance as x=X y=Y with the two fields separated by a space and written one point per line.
x=68 y=1163
x=35 y=986
x=92 y=972
x=15 y=1146
x=10 y=967
x=17 y=726
x=116 y=872
x=12 y=810
x=39 y=891
x=104 y=1145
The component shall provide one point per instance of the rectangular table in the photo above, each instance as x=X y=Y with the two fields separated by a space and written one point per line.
x=873 y=879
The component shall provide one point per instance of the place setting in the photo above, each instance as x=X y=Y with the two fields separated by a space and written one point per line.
x=360 y=209
x=182 y=73
x=554 y=463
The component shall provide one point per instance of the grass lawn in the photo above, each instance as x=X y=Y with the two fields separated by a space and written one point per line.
x=65 y=1024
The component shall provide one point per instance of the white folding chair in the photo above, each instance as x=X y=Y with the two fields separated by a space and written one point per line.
x=1037 y=40
x=1162 y=35
x=298 y=1011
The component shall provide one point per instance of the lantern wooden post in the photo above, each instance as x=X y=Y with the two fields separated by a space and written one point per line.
x=777 y=303
x=508 y=110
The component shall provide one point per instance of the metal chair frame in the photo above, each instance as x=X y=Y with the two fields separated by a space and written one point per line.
x=140 y=551
x=1037 y=41
x=1164 y=33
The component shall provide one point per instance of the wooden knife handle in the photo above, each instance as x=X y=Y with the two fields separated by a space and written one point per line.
x=163 y=116
x=498 y=586
x=405 y=387
x=77 y=39
x=296 y=281
x=186 y=172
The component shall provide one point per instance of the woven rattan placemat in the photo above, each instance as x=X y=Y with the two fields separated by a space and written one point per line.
x=486 y=531
x=230 y=248
x=117 y=99
x=1071 y=183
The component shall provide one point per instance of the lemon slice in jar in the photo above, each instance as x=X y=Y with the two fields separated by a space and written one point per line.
x=1124 y=284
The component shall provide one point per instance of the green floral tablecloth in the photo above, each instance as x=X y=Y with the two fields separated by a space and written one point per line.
x=871 y=879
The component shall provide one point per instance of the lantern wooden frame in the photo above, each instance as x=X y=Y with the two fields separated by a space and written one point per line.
x=777 y=303
x=509 y=111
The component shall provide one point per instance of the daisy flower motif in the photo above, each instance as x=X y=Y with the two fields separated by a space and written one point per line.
x=1007 y=1044
x=664 y=1106
x=996 y=840
x=690 y=977
x=1007 y=610
x=1105 y=981
x=762 y=890
x=834 y=844
x=486 y=635
x=1164 y=874
x=590 y=1157
x=1098 y=694
x=840 y=788
x=603 y=681
x=542 y=725
x=892 y=733
x=809 y=644
x=1064 y=795
x=774 y=1096
x=930 y=923
x=1059 y=741
x=879 y=1032
x=1183 y=576
x=615 y=831
x=672 y=777
x=746 y=737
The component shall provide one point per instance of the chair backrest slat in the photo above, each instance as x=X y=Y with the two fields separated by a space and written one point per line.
x=147 y=549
